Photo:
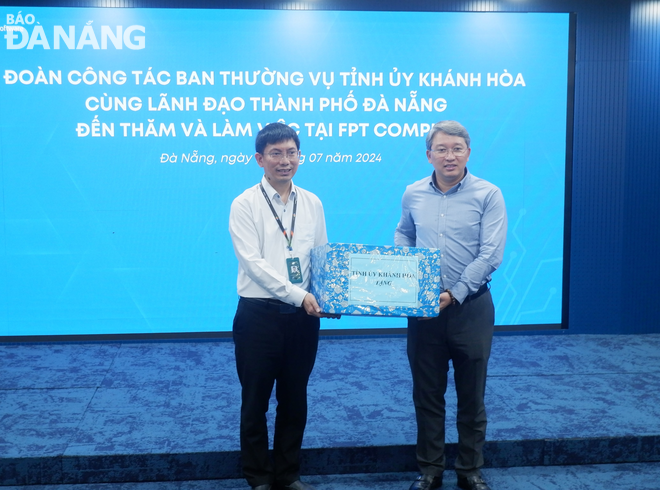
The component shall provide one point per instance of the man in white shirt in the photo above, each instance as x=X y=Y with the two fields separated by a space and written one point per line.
x=273 y=226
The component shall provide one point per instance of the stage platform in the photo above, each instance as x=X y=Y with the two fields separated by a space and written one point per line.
x=169 y=411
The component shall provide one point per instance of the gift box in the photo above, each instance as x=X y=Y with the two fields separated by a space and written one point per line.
x=354 y=279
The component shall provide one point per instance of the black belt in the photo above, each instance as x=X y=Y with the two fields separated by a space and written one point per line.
x=484 y=287
x=272 y=304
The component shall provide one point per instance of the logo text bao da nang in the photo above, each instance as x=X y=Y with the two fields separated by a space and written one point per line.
x=25 y=32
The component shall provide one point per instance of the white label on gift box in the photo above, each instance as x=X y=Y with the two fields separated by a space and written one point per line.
x=383 y=280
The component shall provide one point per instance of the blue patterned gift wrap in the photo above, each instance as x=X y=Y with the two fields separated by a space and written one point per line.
x=354 y=279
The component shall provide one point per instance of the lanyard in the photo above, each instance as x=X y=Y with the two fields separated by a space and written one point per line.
x=289 y=240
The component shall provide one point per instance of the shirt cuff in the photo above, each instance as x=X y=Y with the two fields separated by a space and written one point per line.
x=296 y=296
x=460 y=292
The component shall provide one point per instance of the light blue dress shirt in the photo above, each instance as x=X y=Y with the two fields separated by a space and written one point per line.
x=467 y=223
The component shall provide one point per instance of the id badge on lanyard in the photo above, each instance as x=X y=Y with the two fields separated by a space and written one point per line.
x=294 y=270
x=293 y=263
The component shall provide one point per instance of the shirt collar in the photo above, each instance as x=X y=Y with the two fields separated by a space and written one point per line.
x=467 y=177
x=271 y=192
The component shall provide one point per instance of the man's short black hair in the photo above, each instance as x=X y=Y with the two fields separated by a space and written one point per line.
x=275 y=133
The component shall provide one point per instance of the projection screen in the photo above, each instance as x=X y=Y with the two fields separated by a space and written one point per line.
x=126 y=134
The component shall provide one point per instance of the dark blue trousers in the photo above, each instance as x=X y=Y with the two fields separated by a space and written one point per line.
x=274 y=343
x=462 y=334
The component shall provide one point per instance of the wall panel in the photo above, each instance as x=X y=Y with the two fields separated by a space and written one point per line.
x=641 y=228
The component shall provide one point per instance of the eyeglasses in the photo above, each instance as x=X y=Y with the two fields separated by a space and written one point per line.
x=289 y=155
x=443 y=152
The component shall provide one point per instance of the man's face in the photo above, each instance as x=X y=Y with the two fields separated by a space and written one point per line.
x=280 y=162
x=449 y=167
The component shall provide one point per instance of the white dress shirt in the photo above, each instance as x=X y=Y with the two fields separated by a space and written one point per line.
x=260 y=245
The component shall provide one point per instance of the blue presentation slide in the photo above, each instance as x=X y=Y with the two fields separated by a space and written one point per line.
x=126 y=134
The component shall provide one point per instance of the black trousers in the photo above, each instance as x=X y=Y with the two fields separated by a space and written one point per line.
x=464 y=335
x=273 y=342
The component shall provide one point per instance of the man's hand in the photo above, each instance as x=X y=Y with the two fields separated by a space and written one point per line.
x=445 y=300
x=311 y=306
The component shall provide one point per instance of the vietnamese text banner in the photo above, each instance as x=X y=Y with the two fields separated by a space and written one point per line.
x=126 y=133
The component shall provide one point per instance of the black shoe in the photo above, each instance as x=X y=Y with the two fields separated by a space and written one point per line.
x=296 y=485
x=474 y=482
x=267 y=486
x=427 y=482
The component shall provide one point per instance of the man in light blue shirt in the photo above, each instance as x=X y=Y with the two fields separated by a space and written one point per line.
x=464 y=217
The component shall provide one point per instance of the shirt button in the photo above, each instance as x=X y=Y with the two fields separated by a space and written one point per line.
x=442 y=215
x=440 y=234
